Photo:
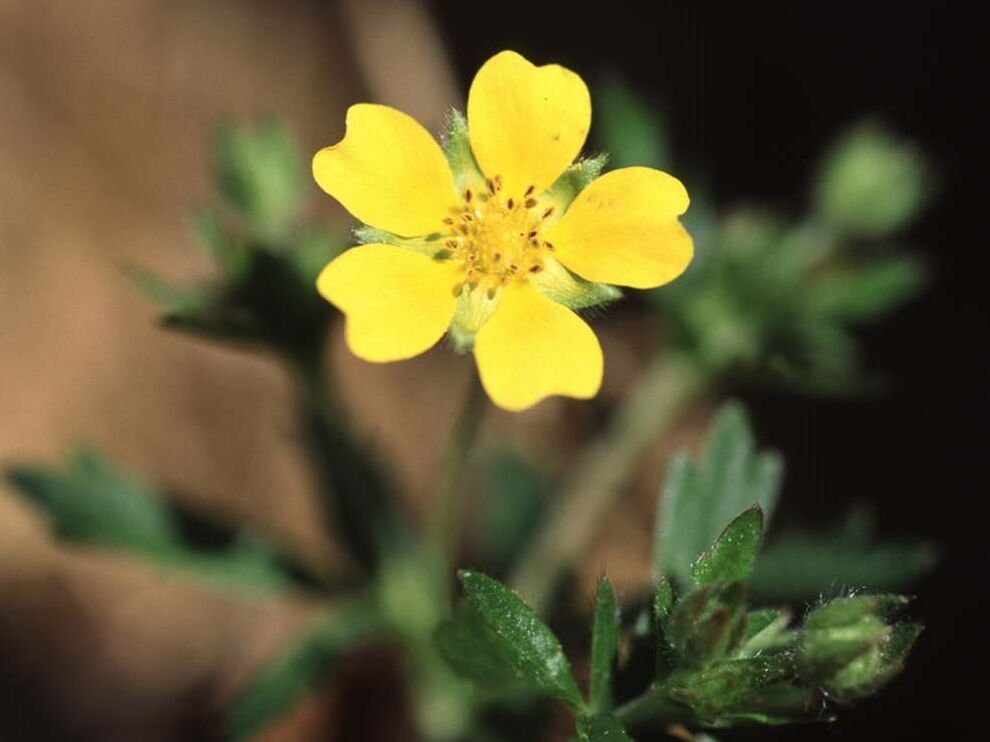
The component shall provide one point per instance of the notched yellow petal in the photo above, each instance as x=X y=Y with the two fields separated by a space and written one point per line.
x=527 y=123
x=532 y=348
x=388 y=172
x=397 y=303
x=623 y=229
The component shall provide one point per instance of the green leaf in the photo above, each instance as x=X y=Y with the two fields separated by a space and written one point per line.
x=259 y=172
x=631 y=130
x=798 y=567
x=228 y=252
x=869 y=290
x=698 y=501
x=604 y=645
x=295 y=671
x=732 y=556
x=738 y=688
x=601 y=728
x=479 y=654
x=663 y=606
x=95 y=502
x=708 y=623
x=531 y=649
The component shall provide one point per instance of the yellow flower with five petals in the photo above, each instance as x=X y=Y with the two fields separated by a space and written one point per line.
x=499 y=239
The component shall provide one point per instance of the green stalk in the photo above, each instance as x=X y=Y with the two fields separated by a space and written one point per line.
x=445 y=515
x=595 y=484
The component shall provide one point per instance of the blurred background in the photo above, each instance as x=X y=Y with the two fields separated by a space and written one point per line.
x=106 y=127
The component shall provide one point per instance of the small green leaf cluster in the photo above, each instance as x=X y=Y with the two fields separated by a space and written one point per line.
x=777 y=299
x=718 y=661
x=266 y=259
x=92 y=501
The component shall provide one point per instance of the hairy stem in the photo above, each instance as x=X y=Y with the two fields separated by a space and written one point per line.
x=596 y=482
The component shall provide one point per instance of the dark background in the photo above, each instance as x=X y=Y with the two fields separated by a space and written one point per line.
x=754 y=92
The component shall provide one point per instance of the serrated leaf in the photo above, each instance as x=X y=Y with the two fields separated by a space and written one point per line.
x=604 y=645
x=732 y=556
x=95 y=502
x=259 y=172
x=533 y=651
x=477 y=653
x=601 y=728
x=699 y=500
x=295 y=671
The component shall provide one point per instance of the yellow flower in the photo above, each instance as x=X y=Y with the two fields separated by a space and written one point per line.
x=498 y=240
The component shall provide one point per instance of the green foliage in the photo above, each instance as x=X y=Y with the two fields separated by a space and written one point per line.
x=774 y=299
x=699 y=500
x=851 y=649
x=296 y=670
x=515 y=643
x=796 y=566
x=266 y=262
x=733 y=555
x=260 y=174
x=604 y=646
x=871 y=184
x=94 y=502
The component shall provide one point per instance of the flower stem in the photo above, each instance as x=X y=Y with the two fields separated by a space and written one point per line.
x=444 y=523
x=596 y=482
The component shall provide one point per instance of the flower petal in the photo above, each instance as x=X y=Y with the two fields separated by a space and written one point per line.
x=388 y=172
x=527 y=123
x=398 y=303
x=623 y=229
x=532 y=348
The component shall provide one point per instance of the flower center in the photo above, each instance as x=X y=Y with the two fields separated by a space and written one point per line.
x=497 y=238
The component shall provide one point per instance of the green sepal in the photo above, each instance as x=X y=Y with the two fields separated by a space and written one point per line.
x=559 y=284
x=460 y=156
x=575 y=179
x=751 y=689
x=767 y=631
x=431 y=245
x=708 y=623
